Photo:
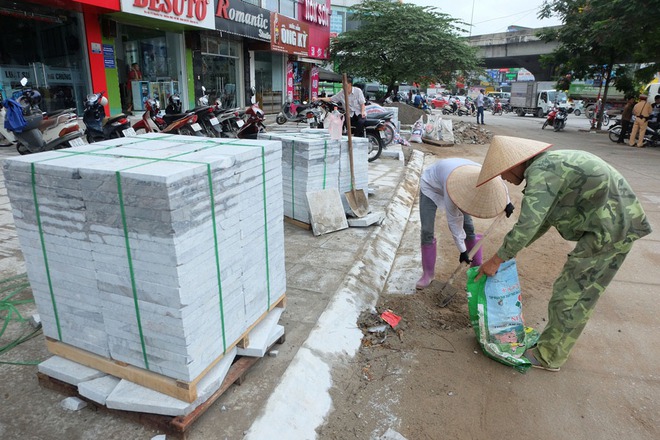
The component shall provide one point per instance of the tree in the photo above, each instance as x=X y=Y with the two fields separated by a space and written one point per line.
x=604 y=37
x=403 y=43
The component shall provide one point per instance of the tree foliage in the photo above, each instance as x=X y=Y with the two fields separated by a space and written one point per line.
x=399 y=42
x=605 y=37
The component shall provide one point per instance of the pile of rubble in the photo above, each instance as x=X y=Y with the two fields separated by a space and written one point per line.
x=470 y=133
x=408 y=114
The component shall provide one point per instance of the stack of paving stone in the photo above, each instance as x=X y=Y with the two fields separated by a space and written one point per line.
x=152 y=250
x=310 y=162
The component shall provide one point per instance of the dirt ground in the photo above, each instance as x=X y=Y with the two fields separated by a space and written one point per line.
x=428 y=379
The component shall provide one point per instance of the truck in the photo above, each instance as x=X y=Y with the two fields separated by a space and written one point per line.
x=589 y=94
x=535 y=97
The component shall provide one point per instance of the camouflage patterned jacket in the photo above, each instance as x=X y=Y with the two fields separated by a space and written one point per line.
x=580 y=195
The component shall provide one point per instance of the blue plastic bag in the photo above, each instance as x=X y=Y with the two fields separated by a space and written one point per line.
x=495 y=308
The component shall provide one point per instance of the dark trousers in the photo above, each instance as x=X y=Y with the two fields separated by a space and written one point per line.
x=358 y=122
x=625 y=129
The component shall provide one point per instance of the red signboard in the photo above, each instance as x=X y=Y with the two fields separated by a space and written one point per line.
x=288 y=35
x=317 y=15
x=289 y=81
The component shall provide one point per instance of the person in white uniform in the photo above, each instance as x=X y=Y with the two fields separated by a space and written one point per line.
x=444 y=184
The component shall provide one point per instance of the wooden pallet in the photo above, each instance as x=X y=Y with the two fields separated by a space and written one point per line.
x=298 y=223
x=179 y=389
x=176 y=426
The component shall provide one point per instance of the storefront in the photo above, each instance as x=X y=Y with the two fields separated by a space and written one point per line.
x=151 y=58
x=307 y=43
x=45 y=44
x=259 y=67
x=221 y=69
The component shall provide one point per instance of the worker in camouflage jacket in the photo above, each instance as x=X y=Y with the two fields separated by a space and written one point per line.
x=588 y=202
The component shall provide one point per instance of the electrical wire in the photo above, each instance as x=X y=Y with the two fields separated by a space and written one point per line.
x=9 y=288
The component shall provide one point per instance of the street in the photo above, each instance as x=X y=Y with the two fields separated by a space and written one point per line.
x=431 y=382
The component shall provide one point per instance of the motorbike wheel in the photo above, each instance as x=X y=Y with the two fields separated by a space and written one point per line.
x=388 y=134
x=375 y=147
x=545 y=124
x=187 y=131
x=577 y=112
x=558 y=127
x=445 y=111
x=606 y=120
x=280 y=119
x=22 y=149
x=614 y=133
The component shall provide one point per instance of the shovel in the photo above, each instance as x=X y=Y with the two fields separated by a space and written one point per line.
x=445 y=301
x=357 y=199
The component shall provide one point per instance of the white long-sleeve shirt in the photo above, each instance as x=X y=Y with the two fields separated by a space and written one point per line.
x=434 y=182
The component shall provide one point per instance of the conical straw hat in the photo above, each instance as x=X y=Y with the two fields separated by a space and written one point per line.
x=487 y=201
x=505 y=152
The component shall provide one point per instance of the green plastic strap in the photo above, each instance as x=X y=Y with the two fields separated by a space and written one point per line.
x=45 y=254
x=130 y=268
x=217 y=259
x=293 y=167
x=325 y=160
x=263 y=181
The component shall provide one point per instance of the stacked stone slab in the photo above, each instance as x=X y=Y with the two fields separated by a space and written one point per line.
x=309 y=163
x=303 y=170
x=160 y=251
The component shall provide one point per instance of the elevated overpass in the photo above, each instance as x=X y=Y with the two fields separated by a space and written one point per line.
x=520 y=48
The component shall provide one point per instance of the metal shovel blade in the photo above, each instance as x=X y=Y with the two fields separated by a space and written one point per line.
x=358 y=202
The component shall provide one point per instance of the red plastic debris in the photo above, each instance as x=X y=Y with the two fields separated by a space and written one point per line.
x=389 y=317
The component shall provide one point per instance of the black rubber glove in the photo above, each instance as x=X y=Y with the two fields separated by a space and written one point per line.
x=509 y=209
x=464 y=258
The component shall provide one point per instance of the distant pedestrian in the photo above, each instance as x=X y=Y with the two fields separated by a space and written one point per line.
x=480 y=107
x=587 y=201
x=642 y=111
x=626 y=117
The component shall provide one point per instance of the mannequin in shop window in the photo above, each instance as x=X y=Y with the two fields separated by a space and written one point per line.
x=135 y=74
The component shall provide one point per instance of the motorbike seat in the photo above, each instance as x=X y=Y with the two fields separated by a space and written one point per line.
x=198 y=109
x=59 y=112
x=381 y=115
x=111 y=119
x=169 y=118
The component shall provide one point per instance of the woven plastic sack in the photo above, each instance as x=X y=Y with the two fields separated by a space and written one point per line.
x=433 y=127
x=446 y=130
x=417 y=131
x=495 y=308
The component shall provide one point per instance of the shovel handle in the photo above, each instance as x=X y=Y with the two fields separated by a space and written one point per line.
x=347 y=111
x=472 y=252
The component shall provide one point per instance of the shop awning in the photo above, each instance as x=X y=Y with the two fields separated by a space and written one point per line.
x=328 y=75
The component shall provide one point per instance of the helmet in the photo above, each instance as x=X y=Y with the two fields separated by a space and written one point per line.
x=104 y=101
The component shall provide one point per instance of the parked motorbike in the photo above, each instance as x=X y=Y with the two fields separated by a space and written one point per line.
x=254 y=124
x=98 y=127
x=206 y=120
x=44 y=131
x=557 y=118
x=7 y=138
x=373 y=128
x=292 y=112
x=151 y=112
x=179 y=122
x=651 y=137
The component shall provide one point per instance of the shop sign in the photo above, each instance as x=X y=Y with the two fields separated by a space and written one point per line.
x=109 y=56
x=240 y=18
x=317 y=14
x=288 y=35
x=192 y=12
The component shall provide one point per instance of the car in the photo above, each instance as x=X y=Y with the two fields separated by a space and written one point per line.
x=439 y=102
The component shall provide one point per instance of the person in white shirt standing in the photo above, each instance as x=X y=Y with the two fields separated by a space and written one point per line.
x=356 y=106
x=480 y=107
x=445 y=184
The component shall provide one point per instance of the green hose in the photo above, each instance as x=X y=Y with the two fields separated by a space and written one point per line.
x=9 y=288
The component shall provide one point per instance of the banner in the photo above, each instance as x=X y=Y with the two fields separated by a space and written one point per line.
x=197 y=13
x=289 y=81
x=314 y=81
